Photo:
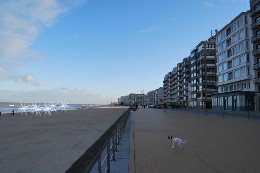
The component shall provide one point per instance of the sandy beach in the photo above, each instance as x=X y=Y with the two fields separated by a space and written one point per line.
x=51 y=143
x=214 y=145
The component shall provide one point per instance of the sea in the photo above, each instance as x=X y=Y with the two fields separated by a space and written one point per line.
x=8 y=107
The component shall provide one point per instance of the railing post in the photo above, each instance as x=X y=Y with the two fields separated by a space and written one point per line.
x=108 y=158
x=114 y=148
x=118 y=135
x=99 y=164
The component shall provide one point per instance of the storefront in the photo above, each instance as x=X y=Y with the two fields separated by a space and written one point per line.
x=235 y=101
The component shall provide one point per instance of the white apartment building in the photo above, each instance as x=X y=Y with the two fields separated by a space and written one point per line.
x=235 y=65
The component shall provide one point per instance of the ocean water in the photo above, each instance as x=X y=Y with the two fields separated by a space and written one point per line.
x=8 y=107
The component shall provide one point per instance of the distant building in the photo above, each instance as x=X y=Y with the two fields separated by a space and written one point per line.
x=255 y=26
x=131 y=99
x=151 y=97
x=235 y=65
x=159 y=96
x=155 y=97
x=175 y=85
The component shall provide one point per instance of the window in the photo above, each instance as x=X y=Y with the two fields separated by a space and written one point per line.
x=248 y=85
x=258 y=47
x=229 y=31
x=231 y=88
x=257 y=6
x=257 y=19
x=229 y=53
x=228 y=42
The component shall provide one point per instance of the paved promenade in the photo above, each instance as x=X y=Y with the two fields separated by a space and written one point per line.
x=213 y=144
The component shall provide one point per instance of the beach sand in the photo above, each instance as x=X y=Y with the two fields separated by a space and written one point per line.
x=51 y=143
x=213 y=144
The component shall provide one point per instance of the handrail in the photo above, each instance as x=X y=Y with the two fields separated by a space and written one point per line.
x=85 y=163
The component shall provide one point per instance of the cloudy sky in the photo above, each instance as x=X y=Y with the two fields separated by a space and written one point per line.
x=94 y=51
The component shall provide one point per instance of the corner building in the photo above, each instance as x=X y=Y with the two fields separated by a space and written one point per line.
x=235 y=73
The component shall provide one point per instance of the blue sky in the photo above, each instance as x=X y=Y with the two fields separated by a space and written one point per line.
x=94 y=51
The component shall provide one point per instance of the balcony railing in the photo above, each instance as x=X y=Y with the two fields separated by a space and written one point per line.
x=256 y=52
x=256 y=81
x=256 y=66
x=255 y=24
x=103 y=152
x=254 y=11
x=256 y=38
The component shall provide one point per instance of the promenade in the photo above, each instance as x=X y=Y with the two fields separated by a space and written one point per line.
x=213 y=144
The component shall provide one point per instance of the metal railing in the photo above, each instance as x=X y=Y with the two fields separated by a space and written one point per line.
x=108 y=142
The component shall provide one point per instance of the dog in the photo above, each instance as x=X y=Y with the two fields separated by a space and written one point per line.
x=176 y=141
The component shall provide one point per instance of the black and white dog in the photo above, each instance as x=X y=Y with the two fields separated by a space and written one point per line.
x=176 y=141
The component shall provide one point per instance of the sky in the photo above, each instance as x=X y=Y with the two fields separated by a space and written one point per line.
x=95 y=51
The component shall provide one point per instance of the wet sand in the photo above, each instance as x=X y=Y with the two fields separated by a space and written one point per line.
x=51 y=143
x=213 y=144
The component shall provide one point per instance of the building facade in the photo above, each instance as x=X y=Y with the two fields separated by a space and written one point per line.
x=155 y=97
x=132 y=99
x=203 y=74
x=255 y=27
x=175 y=85
x=234 y=66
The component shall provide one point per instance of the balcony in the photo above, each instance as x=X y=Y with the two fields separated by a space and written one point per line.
x=254 y=25
x=254 y=12
x=256 y=66
x=256 y=81
x=255 y=39
x=256 y=52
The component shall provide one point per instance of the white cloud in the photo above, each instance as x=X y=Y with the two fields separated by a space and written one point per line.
x=21 y=22
x=30 y=80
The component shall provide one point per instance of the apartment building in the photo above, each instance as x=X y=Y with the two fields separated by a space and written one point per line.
x=255 y=27
x=234 y=65
x=132 y=99
x=167 y=88
x=151 y=97
x=193 y=78
x=175 y=88
x=183 y=79
x=203 y=73
x=155 y=97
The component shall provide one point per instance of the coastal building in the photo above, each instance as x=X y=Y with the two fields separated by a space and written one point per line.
x=176 y=85
x=159 y=96
x=194 y=83
x=206 y=72
x=203 y=73
x=151 y=97
x=167 y=88
x=255 y=27
x=235 y=73
x=132 y=99
x=183 y=79
x=155 y=97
